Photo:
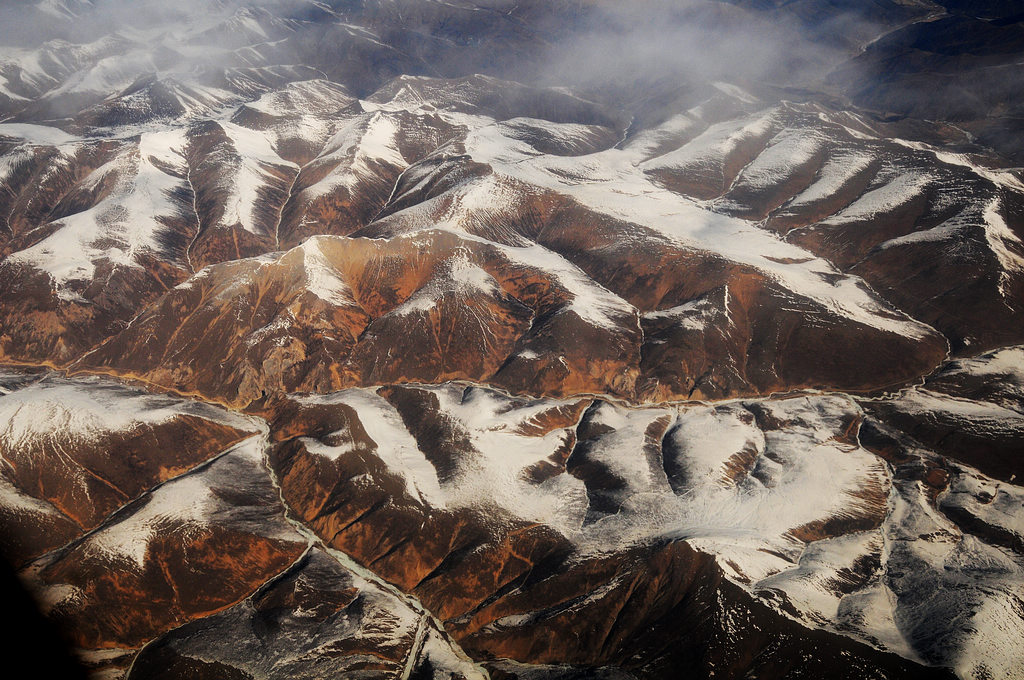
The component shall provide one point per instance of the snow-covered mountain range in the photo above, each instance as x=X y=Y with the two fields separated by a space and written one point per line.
x=389 y=339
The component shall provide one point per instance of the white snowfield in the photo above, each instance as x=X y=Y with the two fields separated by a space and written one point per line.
x=88 y=408
x=125 y=224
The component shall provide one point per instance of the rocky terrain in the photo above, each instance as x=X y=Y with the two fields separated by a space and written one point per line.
x=363 y=340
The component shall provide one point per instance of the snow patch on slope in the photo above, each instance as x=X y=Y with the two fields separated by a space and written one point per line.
x=900 y=190
x=458 y=275
x=90 y=408
x=122 y=226
x=1006 y=245
x=37 y=135
x=15 y=502
x=83 y=410
x=610 y=183
x=713 y=146
x=395 y=446
x=322 y=279
x=493 y=474
x=257 y=158
x=192 y=504
x=355 y=152
x=837 y=172
x=789 y=150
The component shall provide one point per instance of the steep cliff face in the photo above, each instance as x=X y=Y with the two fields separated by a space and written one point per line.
x=420 y=339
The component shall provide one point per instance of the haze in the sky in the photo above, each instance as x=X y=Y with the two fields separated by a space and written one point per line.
x=694 y=40
x=590 y=44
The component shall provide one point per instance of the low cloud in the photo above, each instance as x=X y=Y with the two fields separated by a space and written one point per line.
x=695 y=41
x=590 y=44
